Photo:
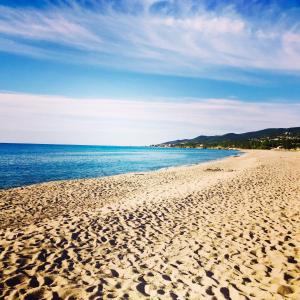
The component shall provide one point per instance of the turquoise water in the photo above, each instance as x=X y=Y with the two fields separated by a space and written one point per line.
x=24 y=164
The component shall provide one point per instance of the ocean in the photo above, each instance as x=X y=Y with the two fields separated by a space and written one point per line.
x=25 y=164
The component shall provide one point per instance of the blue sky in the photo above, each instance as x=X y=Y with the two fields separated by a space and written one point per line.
x=71 y=69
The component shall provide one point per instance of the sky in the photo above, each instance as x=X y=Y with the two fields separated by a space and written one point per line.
x=139 y=72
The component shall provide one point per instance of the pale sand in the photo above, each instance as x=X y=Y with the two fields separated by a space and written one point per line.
x=223 y=230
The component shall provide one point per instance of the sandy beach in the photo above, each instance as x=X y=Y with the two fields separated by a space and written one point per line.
x=229 y=229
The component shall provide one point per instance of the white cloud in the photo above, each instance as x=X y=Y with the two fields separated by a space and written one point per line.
x=184 y=43
x=54 y=119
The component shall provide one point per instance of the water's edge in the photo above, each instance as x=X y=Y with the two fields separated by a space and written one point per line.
x=28 y=165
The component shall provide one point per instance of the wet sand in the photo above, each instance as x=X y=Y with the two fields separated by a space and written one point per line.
x=223 y=230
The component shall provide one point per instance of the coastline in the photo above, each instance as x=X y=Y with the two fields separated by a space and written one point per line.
x=224 y=229
x=60 y=187
x=47 y=163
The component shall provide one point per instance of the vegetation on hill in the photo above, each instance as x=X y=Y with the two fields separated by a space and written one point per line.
x=286 y=138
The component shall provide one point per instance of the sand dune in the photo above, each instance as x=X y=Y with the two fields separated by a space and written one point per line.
x=223 y=230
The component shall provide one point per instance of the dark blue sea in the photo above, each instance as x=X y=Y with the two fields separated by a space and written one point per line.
x=24 y=164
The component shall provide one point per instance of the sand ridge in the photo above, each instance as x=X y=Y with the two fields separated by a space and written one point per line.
x=223 y=230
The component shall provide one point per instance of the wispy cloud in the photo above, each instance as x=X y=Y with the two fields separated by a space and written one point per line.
x=53 y=119
x=168 y=37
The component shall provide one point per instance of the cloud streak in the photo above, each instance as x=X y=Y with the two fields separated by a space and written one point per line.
x=54 y=119
x=167 y=37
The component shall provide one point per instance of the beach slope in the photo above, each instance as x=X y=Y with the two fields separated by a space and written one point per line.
x=223 y=230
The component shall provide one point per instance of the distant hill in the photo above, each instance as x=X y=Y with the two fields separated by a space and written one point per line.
x=263 y=139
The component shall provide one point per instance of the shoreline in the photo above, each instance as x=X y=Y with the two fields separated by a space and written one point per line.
x=129 y=173
x=35 y=189
x=227 y=229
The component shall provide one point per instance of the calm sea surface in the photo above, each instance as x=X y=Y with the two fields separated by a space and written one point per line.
x=24 y=164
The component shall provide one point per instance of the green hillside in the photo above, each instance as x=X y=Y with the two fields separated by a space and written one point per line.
x=287 y=138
